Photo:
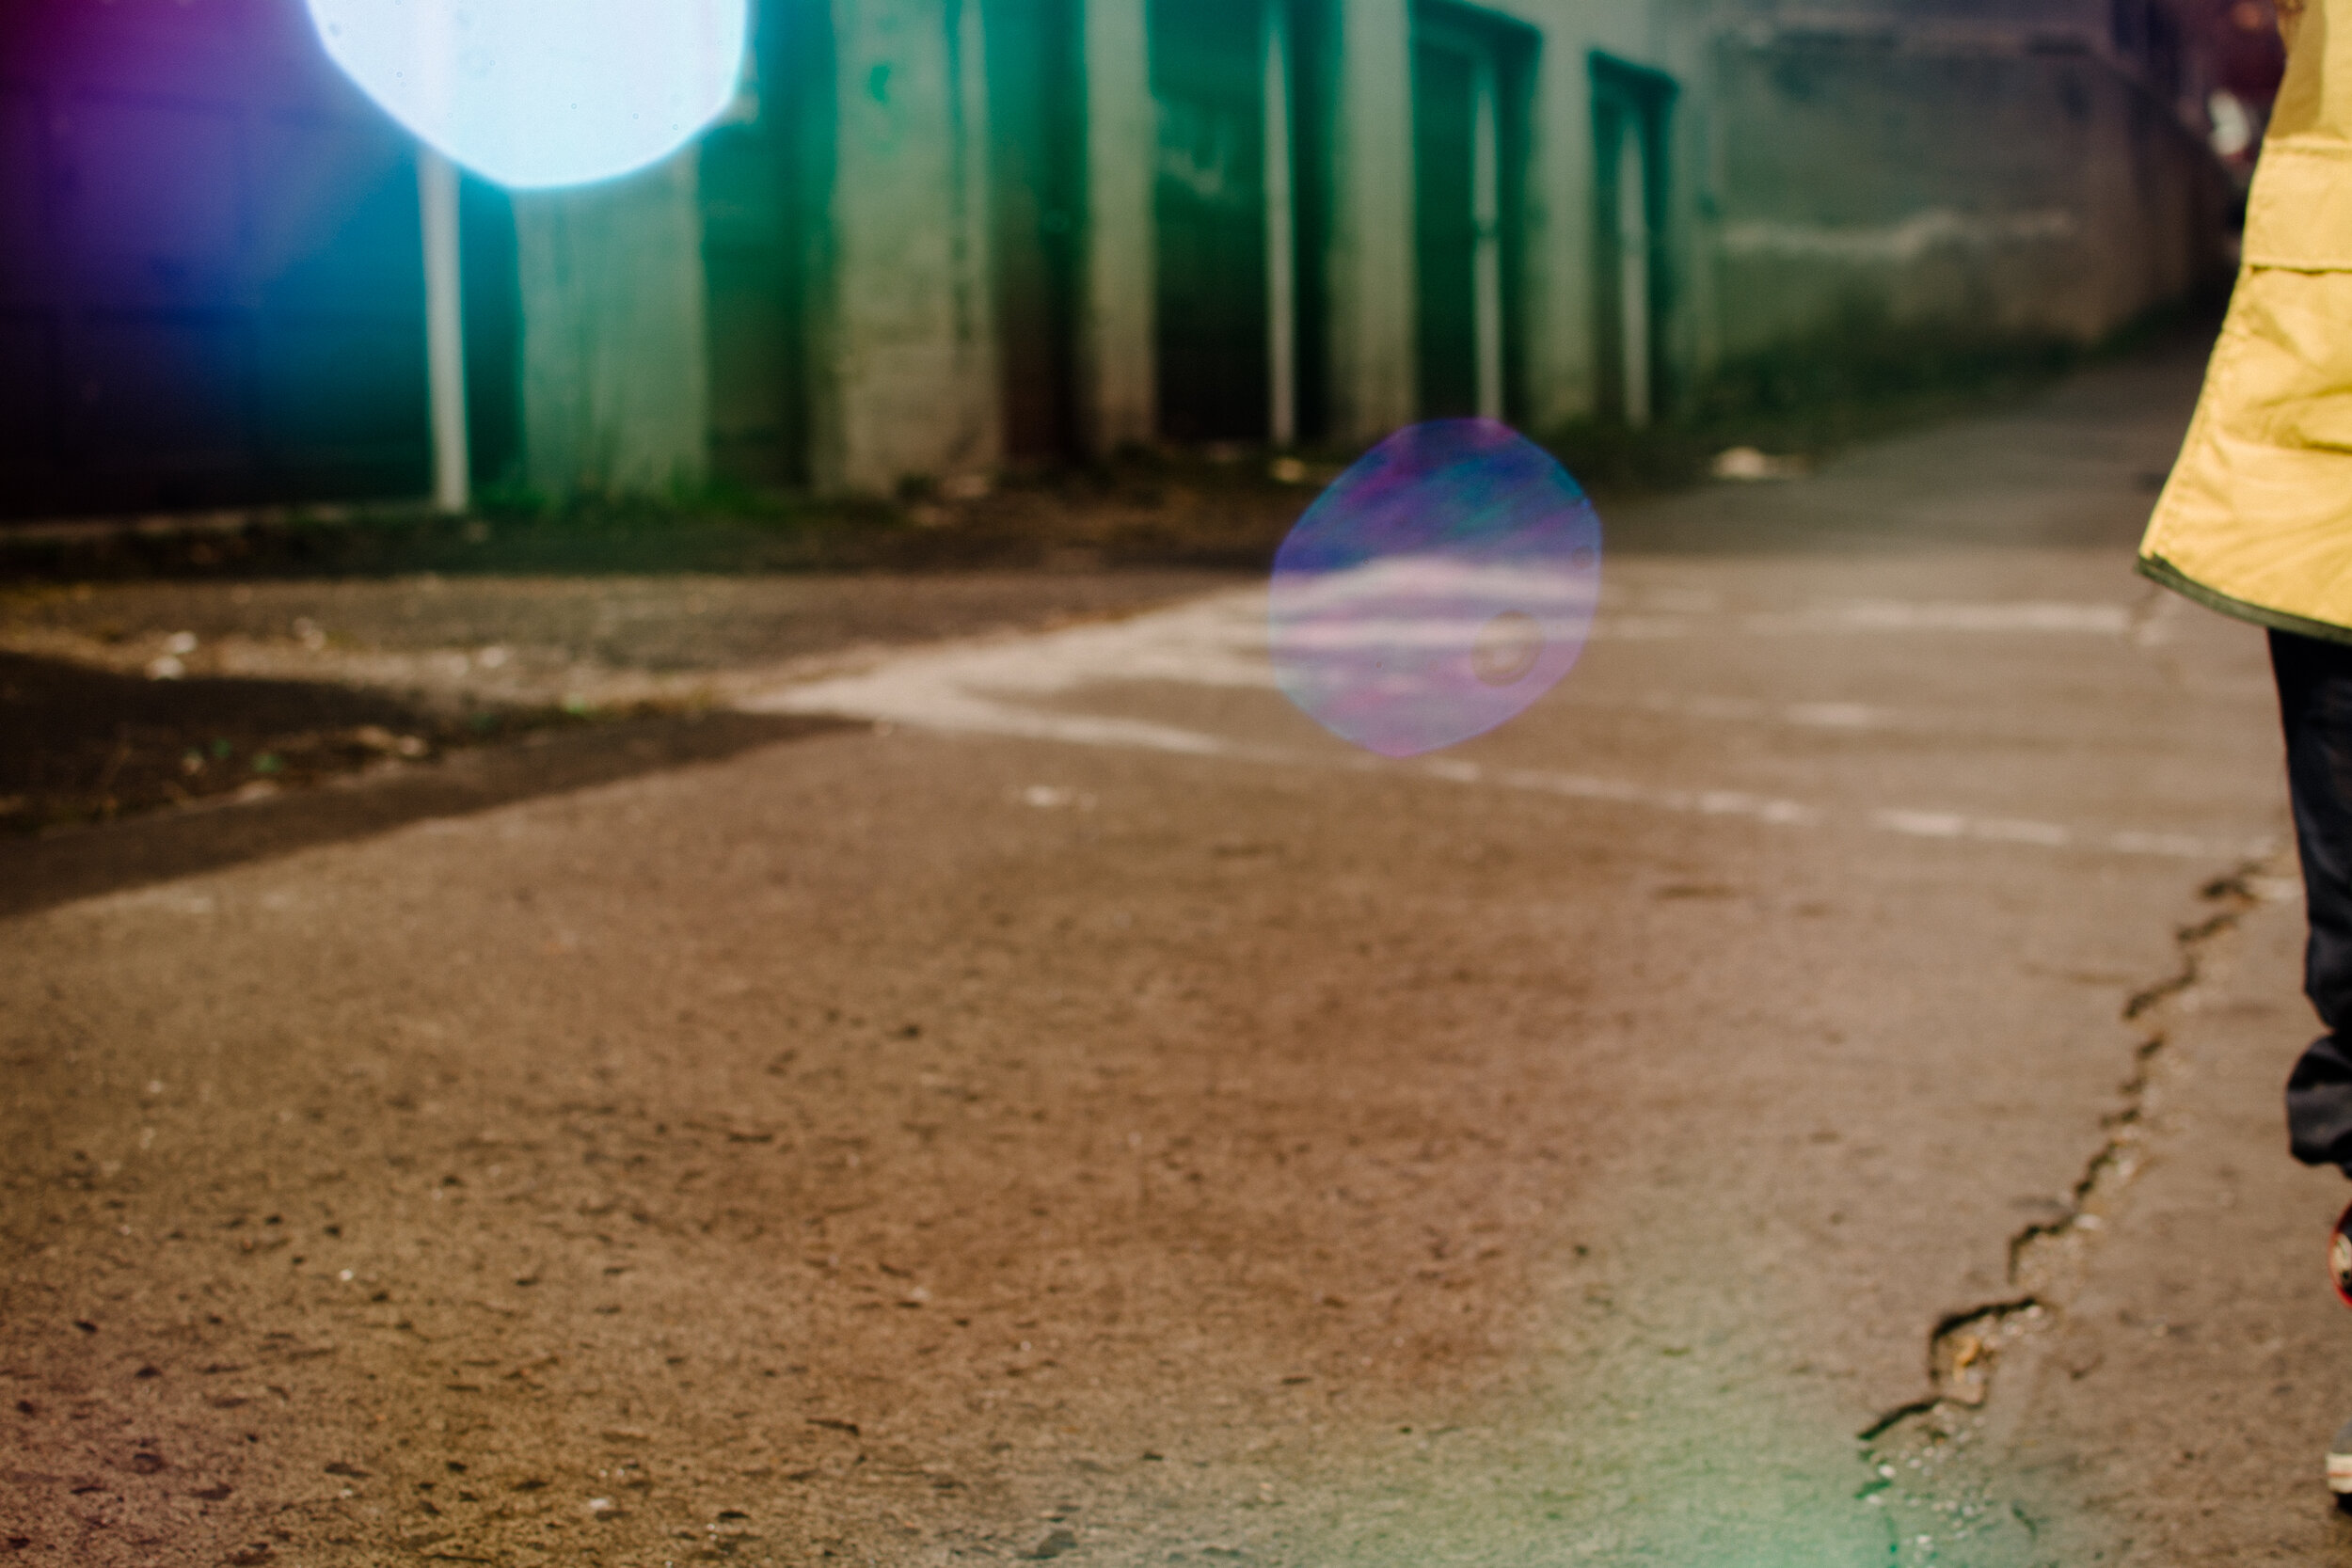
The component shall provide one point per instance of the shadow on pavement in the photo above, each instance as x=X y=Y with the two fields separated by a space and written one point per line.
x=81 y=863
x=82 y=744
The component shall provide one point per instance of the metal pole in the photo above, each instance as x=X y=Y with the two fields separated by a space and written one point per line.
x=444 y=329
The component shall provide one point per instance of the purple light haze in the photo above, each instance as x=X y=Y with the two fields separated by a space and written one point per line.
x=1444 y=585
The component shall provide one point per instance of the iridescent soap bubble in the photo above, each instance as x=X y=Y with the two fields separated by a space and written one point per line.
x=1444 y=585
x=534 y=94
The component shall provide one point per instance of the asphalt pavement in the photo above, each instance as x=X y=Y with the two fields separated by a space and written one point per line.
x=1804 y=1093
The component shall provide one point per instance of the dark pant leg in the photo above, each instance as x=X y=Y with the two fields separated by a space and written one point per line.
x=2315 y=702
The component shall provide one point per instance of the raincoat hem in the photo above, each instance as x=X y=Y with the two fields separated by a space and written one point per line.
x=2156 y=568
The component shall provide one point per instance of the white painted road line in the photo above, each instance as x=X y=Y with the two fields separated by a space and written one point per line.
x=1877 y=617
x=977 y=687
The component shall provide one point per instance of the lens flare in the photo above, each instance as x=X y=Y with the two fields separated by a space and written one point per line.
x=1442 y=586
x=535 y=93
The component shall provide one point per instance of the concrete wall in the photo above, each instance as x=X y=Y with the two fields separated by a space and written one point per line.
x=1981 y=189
x=1562 y=322
x=1990 y=168
x=1370 y=268
x=1117 y=374
x=909 y=385
x=1370 y=265
x=615 y=393
x=817 y=302
x=1994 y=168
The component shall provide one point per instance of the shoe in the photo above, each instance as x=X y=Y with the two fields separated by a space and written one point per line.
x=2340 y=1258
x=2340 y=1468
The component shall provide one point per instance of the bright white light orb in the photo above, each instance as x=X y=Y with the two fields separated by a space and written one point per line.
x=534 y=93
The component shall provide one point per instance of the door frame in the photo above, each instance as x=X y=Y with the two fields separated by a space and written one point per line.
x=1632 y=112
x=1503 y=55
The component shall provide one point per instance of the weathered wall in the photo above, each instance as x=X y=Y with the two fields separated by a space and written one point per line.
x=815 y=299
x=1561 y=324
x=1914 y=15
x=1370 y=265
x=1994 y=192
x=765 y=181
x=1984 y=170
x=616 y=381
x=1117 y=371
x=908 y=383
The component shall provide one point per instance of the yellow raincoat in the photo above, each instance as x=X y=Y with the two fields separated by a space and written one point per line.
x=2257 y=520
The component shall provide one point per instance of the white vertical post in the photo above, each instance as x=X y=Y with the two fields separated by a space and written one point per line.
x=1281 y=235
x=1122 y=243
x=1486 y=218
x=444 y=329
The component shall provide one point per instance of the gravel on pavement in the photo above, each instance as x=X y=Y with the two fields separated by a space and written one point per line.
x=1799 y=1096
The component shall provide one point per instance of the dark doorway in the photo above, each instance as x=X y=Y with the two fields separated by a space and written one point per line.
x=1452 y=249
x=1036 y=146
x=1632 y=110
x=1312 y=100
x=212 y=291
x=1208 y=67
x=1470 y=159
x=491 y=289
x=764 y=181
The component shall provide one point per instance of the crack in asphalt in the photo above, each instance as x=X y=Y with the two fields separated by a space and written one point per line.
x=2046 y=1259
x=1959 y=1374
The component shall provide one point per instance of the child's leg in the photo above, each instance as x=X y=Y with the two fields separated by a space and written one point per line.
x=2315 y=703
